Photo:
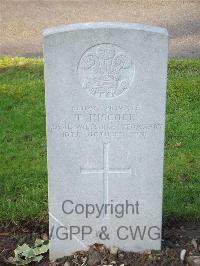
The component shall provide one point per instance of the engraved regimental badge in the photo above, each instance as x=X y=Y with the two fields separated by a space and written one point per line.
x=106 y=71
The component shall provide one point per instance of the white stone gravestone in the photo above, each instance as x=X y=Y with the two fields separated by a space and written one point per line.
x=105 y=105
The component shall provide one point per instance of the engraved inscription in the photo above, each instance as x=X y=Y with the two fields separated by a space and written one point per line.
x=106 y=171
x=106 y=71
x=104 y=121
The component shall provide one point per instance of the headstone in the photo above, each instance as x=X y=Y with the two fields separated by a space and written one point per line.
x=105 y=106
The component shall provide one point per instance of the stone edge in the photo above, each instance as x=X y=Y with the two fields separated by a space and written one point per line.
x=103 y=25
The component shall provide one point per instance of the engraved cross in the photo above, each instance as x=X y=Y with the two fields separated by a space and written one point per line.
x=106 y=171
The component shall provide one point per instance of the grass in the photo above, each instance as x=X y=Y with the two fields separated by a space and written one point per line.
x=23 y=171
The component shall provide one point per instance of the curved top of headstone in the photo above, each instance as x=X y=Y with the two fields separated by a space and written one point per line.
x=103 y=25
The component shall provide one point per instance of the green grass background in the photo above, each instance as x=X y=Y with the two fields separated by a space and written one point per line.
x=23 y=170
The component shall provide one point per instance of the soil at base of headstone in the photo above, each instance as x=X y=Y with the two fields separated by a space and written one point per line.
x=178 y=234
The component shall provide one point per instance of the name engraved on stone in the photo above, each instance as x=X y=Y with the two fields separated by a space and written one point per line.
x=106 y=71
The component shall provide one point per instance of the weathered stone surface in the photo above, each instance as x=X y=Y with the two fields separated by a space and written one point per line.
x=105 y=105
